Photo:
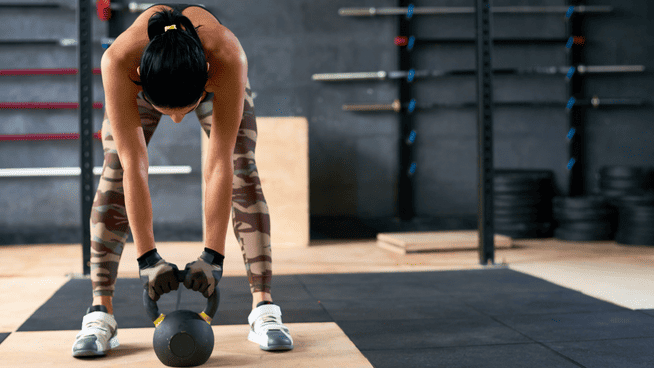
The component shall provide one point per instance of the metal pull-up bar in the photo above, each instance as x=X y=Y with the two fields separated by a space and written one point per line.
x=544 y=70
x=371 y=12
x=76 y=171
x=396 y=106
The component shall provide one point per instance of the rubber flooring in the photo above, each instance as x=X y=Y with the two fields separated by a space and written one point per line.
x=468 y=318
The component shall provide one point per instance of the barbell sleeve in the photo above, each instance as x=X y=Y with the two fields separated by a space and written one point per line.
x=610 y=68
x=395 y=106
x=381 y=75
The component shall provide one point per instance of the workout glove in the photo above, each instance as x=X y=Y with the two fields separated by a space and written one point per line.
x=203 y=275
x=158 y=276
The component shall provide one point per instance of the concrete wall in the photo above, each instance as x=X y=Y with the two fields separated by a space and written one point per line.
x=353 y=156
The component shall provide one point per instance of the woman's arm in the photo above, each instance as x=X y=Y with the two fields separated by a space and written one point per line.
x=122 y=111
x=219 y=167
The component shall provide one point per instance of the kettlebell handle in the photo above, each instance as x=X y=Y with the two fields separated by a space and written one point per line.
x=152 y=309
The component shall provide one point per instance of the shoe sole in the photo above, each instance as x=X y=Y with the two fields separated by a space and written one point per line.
x=113 y=343
x=254 y=338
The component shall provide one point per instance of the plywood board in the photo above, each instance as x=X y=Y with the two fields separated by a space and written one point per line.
x=20 y=297
x=282 y=157
x=436 y=241
x=316 y=345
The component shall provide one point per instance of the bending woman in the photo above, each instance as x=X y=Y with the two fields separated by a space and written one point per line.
x=164 y=65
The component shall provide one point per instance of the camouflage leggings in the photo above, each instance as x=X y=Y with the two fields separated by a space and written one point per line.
x=250 y=217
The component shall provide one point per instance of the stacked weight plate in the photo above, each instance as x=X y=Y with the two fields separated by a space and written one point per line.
x=620 y=181
x=589 y=218
x=631 y=191
x=522 y=203
x=636 y=220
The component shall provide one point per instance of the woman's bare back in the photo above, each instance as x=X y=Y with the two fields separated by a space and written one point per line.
x=219 y=43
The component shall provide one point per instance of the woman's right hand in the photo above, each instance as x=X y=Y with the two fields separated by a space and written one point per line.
x=158 y=276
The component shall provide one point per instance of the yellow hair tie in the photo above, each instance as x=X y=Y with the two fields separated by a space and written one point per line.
x=170 y=27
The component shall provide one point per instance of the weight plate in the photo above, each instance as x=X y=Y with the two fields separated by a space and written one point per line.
x=564 y=234
x=526 y=187
x=525 y=230
x=586 y=226
x=636 y=227
x=629 y=220
x=633 y=200
x=542 y=215
x=579 y=202
x=527 y=217
x=634 y=232
x=519 y=174
x=515 y=211
x=613 y=194
x=649 y=180
x=637 y=209
x=622 y=184
x=541 y=207
x=622 y=171
x=520 y=199
x=599 y=210
x=642 y=221
x=581 y=215
x=634 y=239
x=522 y=179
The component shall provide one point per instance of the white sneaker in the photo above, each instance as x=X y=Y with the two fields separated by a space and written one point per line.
x=267 y=330
x=98 y=335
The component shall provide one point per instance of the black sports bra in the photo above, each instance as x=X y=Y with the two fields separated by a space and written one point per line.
x=181 y=7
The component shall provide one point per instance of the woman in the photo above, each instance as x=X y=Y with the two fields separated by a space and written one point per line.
x=164 y=65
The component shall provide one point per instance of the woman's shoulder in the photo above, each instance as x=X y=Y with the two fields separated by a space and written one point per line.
x=222 y=51
x=125 y=53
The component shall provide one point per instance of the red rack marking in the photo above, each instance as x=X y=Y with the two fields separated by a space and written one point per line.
x=60 y=71
x=45 y=105
x=46 y=137
x=401 y=41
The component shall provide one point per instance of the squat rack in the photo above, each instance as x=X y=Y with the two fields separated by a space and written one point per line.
x=484 y=43
x=85 y=81
x=406 y=186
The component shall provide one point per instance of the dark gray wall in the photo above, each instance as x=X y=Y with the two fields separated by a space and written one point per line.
x=353 y=156
x=625 y=136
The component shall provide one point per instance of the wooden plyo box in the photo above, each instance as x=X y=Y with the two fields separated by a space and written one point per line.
x=404 y=243
x=282 y=158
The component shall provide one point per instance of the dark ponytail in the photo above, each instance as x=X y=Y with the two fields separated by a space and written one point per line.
x=173 y=65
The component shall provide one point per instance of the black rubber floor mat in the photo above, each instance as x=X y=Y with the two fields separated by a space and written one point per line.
x=413 y=315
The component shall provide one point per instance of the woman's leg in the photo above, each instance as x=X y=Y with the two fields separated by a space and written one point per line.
x=109 y=225
x=250 y=216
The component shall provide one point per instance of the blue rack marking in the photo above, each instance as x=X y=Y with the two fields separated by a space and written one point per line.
x=571 y=133
x=412 y=74
x=412 y=105
x=571 y=163
x=412 y=137
x=412 y=41
x=412 y=169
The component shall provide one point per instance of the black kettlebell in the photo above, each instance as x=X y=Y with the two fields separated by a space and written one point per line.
x=182 y=338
